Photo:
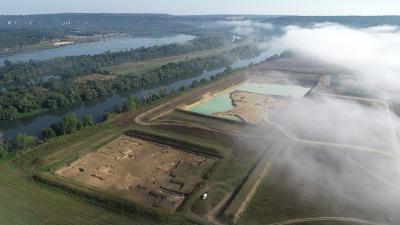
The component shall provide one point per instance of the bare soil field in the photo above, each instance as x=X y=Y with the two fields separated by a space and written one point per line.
x=250 y=107
x=147 y=173
x=253 y=107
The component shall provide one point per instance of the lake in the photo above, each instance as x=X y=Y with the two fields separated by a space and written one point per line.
x=92 y=48
x=34 y=125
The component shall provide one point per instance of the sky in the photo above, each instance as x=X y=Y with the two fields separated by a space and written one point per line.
x=194 y=7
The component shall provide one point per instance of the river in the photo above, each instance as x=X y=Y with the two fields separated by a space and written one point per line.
x=99 y=107
x=92 y=48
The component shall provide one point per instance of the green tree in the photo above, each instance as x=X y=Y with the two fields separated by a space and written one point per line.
x=20 y=143
x=87 y=121
x=3 y=152
x=130 y=103
x=48 y=133
x=70 y=124
x=24 y=141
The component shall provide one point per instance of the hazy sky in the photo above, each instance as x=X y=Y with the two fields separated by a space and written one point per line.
x=271 y=7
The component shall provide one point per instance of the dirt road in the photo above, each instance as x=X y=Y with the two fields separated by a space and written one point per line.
x=337 y=219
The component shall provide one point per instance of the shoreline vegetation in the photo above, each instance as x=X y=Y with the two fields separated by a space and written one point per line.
x=73 y=66
x=36 y=159
x=60 y=42
x=62 y=93
x=35 y=47
x=71 y=124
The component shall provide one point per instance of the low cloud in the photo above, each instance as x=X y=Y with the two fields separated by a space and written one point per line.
x=353 y=149
x=244 y=27
x=370 y=54
x=340 y=120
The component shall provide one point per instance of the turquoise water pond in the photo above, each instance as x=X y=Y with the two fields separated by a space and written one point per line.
x=222 y=102
x=219 y=103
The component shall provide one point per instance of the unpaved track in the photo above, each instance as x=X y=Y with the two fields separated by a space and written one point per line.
x=370 y=172
x=161 y=110
x=249 y=188
x=328 y=219
x=168 y=107
x=147 y=118
x=330 y=144
x=395 y=141
x=213 y=213
x=210 y=218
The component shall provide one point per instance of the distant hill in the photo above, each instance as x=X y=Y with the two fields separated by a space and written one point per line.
x=140 y=24
x=356 y=21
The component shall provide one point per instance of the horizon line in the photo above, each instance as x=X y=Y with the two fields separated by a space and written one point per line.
x=211 y=14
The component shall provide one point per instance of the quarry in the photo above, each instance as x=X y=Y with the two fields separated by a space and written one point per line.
x=148 y=173
x=250 y=101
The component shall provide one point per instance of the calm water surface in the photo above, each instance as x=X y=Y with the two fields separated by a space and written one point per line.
x=92 y=48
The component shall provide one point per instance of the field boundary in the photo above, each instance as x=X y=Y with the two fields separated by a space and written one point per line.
x=176 y=143
x=99 y=197
x=245 y=192
x=113 y=202
x=241 y=122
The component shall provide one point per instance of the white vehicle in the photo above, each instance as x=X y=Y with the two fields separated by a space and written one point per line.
x=204 y=196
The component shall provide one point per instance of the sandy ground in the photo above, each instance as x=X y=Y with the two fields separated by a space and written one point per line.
x=252 y=107
x=144 y=172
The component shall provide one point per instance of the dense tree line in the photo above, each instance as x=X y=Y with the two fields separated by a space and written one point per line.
x=68 y=125
x=16 y=39
x=21 y=142
x=64 y=93
x=31 y=29
x=77 y=23
x=71 y=123
x=72 y=66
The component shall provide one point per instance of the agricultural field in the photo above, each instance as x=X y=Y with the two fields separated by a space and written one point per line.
x=23 y=201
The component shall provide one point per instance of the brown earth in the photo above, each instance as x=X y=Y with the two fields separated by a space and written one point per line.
x=144 y=172
x=253 y=107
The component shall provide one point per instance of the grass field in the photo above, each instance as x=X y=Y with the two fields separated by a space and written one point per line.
x=24 y=202
x=194 y=119
x=215 y=194
x=326 y=192
x=66 y=149
x=95 y=77
x=238 y=155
